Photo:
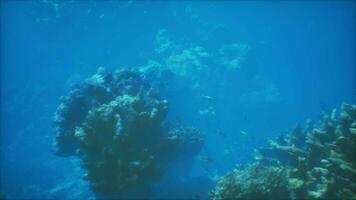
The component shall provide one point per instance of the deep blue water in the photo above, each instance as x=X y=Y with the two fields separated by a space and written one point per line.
x=296 y=59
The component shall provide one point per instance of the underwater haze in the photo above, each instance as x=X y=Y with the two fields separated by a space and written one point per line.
x=177 y=99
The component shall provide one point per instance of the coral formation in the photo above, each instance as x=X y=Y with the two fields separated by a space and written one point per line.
x=254 y=182
x=114 y=122
x=318 y=162
x=184 y=63
x=187 y=60
x=233 y=55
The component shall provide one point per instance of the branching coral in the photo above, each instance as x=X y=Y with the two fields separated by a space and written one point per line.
x=319 y=161
x=114 y=123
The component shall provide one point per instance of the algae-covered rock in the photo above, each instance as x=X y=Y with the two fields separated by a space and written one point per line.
x=319 y=162
x=114 y=122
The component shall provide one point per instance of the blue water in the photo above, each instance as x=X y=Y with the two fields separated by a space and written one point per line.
x=293 y=60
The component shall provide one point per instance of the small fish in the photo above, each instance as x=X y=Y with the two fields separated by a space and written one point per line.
x=208 y=111
x=205 y=159
x=207 y=97
x=264 y=42
x=243 y=133
x=245 y=117
x=227 y=151
x=221 y=133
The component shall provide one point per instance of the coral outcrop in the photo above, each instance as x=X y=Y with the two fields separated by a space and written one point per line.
x=315 y=162
x=254 y=182
x=114 y=122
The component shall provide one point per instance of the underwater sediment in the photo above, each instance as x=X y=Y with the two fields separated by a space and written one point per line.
x=314 y=162
x=115 y=123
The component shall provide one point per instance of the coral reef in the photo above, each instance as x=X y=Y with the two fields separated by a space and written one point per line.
x=318 y=162
x=114 y=122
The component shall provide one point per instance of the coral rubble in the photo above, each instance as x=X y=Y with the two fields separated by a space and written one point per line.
x=317 y=162
x=114 y=122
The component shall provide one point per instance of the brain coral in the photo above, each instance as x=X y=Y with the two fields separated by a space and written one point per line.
x=318 y=162
x=114 y=122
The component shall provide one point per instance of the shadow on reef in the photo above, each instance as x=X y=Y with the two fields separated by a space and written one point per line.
x=115 y=123
x=317 y=162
